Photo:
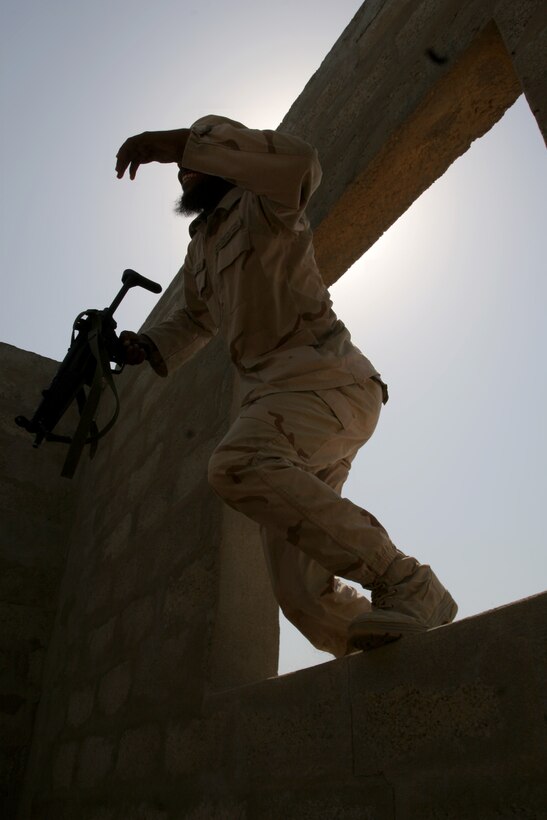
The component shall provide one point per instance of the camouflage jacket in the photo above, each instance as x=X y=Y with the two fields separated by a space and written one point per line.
x=250 y=271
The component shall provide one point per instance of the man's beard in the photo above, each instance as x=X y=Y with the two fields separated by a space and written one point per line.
x=203 y=196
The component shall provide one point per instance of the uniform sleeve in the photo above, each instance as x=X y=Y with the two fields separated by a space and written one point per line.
x=280 y=167
x=185 y=331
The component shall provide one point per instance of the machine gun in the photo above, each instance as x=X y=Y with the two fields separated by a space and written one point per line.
x=93 y=346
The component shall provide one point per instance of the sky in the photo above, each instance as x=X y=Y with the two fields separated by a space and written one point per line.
x=449 y=304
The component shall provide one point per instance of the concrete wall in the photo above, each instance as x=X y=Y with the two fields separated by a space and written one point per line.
x=163 y=592
x=444 y=725
x=165 y=621
x=36 y=507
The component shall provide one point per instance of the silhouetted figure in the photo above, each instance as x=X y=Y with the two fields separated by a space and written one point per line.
x=310 y=397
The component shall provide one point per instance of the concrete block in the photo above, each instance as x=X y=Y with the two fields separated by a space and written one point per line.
x=168 y=678
x=12 y=763
x=16 y=714
x=95 y=761
x=194 y=747
x=101 y=643
x=147 y=811
x=51 y=809
x=372 y=799
x=99 y=592
x=80 y=706
x=449 y=702
x=139 y=753
x=52 y=715
x=114 y=688
x=227 y=809
x=152 y=513
x=118 y=541
x=23 y=625
x=110 y=510
x=132 y=574
x=137 y=620
x=147 y=474
x=69 y=633
x=471 y=794
x=296 y=728
x=64 y=765
x=99 y=813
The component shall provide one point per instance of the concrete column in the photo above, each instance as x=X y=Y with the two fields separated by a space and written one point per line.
x=523 y=27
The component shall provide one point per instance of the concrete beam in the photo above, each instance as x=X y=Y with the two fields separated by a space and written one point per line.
x=402 y=94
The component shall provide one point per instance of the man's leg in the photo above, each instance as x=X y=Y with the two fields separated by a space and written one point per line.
x=266 y=467
x=320 y=605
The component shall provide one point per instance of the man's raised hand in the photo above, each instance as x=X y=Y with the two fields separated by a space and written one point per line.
x=151 y=146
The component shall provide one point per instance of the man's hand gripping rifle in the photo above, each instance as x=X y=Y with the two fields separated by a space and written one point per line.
x=93 y=346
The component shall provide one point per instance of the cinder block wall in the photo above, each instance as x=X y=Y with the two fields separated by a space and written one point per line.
x=147 y=581
x=36 y=508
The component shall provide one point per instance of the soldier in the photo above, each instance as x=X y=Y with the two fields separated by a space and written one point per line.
x=310 y=398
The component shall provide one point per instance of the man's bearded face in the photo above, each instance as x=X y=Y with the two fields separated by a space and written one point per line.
x=200 y=192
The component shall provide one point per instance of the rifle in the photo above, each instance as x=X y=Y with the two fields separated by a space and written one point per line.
x=93 y=346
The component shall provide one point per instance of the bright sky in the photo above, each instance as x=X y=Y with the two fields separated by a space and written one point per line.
x=450 y=304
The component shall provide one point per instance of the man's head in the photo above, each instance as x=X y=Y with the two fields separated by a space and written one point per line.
x=201 y=193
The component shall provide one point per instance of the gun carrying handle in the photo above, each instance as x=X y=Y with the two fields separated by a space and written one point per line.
x=131 y=279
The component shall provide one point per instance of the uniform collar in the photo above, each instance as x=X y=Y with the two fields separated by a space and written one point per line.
x=226 y=204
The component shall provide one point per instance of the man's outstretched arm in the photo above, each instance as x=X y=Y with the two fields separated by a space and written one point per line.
x=280 y=167
x=151 y=146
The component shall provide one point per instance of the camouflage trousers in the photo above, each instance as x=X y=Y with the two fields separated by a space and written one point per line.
x=283 y=464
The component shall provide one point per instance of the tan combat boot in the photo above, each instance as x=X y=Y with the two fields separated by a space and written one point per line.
x=408 y=598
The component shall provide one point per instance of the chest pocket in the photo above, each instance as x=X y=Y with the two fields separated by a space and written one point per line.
x=232 y=245
x=339 y=405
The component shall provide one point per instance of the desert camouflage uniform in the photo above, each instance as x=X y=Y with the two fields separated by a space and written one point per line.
x=310 y=397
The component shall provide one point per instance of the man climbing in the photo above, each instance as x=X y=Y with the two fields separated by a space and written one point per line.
x=310 y=398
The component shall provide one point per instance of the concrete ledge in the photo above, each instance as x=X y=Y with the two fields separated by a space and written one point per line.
x=447 y=724
x=444 y=725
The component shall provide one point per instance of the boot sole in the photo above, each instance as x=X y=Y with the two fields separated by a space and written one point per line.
x=371 y=634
